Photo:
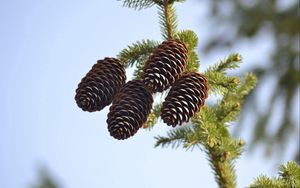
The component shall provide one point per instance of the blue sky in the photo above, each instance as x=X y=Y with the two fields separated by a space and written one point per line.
x=46 y=47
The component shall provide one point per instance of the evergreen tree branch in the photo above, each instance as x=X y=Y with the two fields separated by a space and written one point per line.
x=140 y=4
x=139 y=68
x=289 y=176
x=168 y=20
x=231 y=62
x=174 y=137
x=220 y=147
x=191 y=41
x=224 y=169
x=189 y=37
x=264 y=181
x=210 y=126
x=230 y=105
x=173 y=1
x=219 y=82
x=152 y=118
x=210 y=130
x=137 y=52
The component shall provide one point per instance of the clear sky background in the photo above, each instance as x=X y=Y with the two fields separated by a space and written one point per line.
x=46 y=47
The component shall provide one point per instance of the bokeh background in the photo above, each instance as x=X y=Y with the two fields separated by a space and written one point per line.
x=47 y=46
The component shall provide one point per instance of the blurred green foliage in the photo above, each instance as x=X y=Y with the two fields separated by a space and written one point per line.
x=277 y=20
x=289 y=176
x=45 y=180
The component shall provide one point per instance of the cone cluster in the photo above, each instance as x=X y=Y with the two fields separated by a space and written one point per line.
x=184 y=99
x=132 y=101
x=97 y=89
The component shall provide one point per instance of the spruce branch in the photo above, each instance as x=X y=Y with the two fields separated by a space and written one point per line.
x=231 y=62
x=193 y=63
x=153 y=117
x=168 y=20
x=139 y=4
x=224 y=169
x=209 y=126
x=191 y=41
x=219 y=82
x=230 y=105
x=208 y=129
x=173 y=1
x=174 y=137
x=220 y=147
x=137 y=52
x=289 y=176
x=137 y=73
x=189 y=37
x=225 y=148
x=266 y=182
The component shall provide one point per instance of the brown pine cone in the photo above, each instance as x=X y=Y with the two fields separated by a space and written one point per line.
x=165 y=65
x=130 y=109
x=97 y=89
x=184 y=99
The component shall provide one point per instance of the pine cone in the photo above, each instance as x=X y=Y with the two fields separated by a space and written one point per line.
x=184 y=99
x=97 y=89
x=129 y=110
x=165 y=65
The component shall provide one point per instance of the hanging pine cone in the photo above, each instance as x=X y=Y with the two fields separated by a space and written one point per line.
x=165 y=65
x=129 y=110
x=97 y=89
x=184 y=99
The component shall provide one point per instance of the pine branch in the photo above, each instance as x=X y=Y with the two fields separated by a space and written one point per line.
x=289 y=176
x=221 y=149
x=137 y=73
x=209 y=126
x=174 y=137
x=143 y=4
x=224 y=169
x=231 y=62
x=139 y=4
x=189 y=37
x=230 y=105
x=168 y=20
x=219 y=82
x=137 y=52
x=152 y=119
x=264 y=181
x=191 y=41
x=227 y=149
x=173 y=1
